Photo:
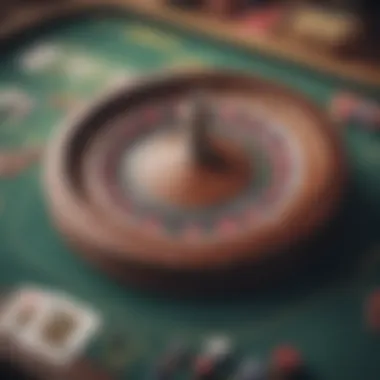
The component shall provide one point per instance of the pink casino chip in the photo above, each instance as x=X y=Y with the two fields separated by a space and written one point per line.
x=343 y=106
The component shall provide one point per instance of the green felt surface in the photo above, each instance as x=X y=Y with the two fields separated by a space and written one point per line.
x=322 y=316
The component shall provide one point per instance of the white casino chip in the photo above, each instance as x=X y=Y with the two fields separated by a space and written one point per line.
x=218 y=347
x=41 y=57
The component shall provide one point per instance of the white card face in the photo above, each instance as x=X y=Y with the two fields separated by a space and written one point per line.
x=23 y=311
x=218 y=346
x=63 y=332
x=48 y=324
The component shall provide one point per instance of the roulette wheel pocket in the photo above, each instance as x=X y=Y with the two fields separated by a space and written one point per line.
x=195 y=173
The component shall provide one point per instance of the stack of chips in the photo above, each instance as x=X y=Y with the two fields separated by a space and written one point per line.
x=215 y=353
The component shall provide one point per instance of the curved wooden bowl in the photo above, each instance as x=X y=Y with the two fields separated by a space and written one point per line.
x=89 y=217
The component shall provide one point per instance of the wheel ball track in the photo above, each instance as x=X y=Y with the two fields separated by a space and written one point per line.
x=124 y=250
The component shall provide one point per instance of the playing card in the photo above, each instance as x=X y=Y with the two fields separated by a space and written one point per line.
x=63 y=331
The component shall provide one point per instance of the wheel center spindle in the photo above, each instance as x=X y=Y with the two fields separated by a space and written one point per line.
x=199 y=123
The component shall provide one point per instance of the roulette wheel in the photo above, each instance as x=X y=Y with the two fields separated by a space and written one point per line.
x=191 y=177
x=322 y=319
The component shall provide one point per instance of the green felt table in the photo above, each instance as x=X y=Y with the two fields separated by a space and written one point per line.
x=322 y=314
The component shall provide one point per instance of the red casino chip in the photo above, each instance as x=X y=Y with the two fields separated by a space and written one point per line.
x=287 y=360
x=372 y=311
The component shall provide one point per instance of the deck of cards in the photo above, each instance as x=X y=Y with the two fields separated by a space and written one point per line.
x=48 y=325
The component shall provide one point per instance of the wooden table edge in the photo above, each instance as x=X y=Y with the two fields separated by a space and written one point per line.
x=281 y=49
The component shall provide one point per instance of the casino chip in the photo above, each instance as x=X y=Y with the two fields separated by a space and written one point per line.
x=372 y=311
x=346 y=107
x=204 y=368
x=343 y=106
x=287 y=361
x=41 y=57
x=218 y=348
x=215 y=351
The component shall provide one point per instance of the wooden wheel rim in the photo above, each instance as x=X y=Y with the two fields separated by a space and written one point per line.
x=101 y=228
